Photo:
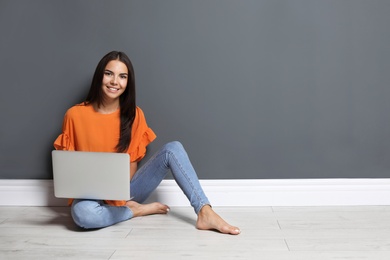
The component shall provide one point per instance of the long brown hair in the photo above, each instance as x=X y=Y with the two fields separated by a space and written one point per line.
x=126 y=100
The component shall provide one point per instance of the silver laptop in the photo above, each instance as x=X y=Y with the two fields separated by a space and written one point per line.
x=91 y=175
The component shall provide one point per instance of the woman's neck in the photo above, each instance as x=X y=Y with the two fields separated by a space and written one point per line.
x=107 y=108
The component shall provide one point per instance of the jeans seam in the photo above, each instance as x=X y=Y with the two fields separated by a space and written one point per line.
x=145 y=168
x=183 y=172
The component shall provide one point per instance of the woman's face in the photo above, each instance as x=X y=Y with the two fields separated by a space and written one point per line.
x=114 y=80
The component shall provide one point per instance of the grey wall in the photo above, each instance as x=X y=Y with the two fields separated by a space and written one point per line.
x=253 y=89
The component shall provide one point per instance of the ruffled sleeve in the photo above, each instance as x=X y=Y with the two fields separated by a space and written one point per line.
x=141 y=137
x=64 y=141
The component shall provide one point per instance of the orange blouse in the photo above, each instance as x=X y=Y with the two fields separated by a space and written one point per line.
x=84 y=129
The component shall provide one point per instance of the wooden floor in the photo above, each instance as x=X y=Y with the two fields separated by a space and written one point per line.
x=293 y=233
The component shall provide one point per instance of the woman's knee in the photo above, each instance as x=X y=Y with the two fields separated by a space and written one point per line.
x=174 y=146
x=85 y=213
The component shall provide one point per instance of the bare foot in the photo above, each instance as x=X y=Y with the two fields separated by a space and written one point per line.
x=147 y=209
x=209 y=220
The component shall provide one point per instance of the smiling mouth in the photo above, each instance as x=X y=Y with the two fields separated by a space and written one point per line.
x=113 y=89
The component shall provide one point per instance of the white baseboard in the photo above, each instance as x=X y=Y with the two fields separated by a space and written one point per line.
x=285 y=192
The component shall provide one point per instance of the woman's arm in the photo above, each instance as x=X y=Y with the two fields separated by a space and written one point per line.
x=133 y=169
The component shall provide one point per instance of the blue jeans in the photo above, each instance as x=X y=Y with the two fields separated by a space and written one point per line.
x=172 y=156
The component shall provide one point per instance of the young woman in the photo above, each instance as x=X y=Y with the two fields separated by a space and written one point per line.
x=109 y=121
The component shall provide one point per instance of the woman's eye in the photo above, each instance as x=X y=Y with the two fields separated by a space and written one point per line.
x=107 y=73
x=123 y=77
